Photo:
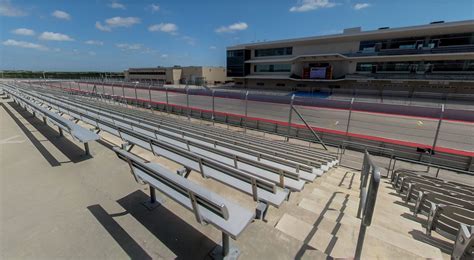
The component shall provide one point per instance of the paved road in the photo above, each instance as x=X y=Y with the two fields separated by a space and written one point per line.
x=454 y=135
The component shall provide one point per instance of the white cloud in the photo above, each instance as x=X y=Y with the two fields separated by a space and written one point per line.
x=94 y=42
x=164 y=27
x=164 y=56
x=126 y=46
x=52 y=36
x=359 y=6
x=154 y=8
x=101 y=27
x=212 y=47
x=240 y=26
x=24 y=32
x=189 y=40
x=117 y=22
x=61 y=15
x=23 y=44
x=117 y=5
x=308 y=5
x=122 y=21
x=7 y=9
x=91 y=53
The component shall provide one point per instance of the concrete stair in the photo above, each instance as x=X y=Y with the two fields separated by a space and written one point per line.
x=323 y=217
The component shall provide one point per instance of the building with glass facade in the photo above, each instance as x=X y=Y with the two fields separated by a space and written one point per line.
x=439 y=53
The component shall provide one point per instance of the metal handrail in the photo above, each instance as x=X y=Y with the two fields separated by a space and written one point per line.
x=370 y=180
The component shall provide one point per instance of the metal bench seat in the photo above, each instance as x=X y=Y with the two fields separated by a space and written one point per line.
x=259 y=188
x=77 y=132
x=426 y=199
x=404 y=172
x=262 y=189
x=215 y=134
x=249 y=153
x=415 y=188
x=404 y=183
x=208 y=207
x=456 y=224
x=283 y=178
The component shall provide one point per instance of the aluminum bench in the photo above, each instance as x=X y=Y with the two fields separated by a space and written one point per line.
x=77 y=132
x=208 y=207
x=456 y=224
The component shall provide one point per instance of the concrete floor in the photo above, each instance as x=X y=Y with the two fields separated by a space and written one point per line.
x=58 y=203
x=453 y=134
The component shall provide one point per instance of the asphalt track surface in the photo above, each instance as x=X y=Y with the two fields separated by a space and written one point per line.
x=457 y=135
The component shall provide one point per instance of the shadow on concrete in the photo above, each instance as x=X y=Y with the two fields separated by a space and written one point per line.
x=46 y=154
x=73 y=152
x=126 y=242
x=407 y=205
x=444 y=246
x=184 y=240
x=332 y=243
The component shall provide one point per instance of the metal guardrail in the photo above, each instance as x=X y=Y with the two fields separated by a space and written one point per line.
x=463 y=162
x=430 y=165
x=369 y=184
x=372 y=149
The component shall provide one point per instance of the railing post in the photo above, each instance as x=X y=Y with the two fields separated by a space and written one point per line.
x=289 y=117
x=113 y=93
x=438 y=128
x=246 y=110
x=213 y=106
x=123 y=93
x=436 y=135
x=187 y=101
x=167 y=100
x=149 y=96
x=136 y=95
x=349 y=117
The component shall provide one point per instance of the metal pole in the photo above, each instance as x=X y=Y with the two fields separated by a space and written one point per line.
x=349 y=117
x=438 y=128
x=113 y=93
x=436 y=135
x=213 y=107
x=149 y=95
x=290 y=117
x=187 y=101
x=167 y=101
x=246 y=110
x=123 y=93
x=86 y=148
x=136 y=96
x=309 y=127
x=225 y=244
x=152 y=194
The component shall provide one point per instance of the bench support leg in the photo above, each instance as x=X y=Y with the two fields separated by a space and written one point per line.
x=44 y=120
x=153 y=202
x=60 y=132
x=184 y=172
x=225 y=251
x=86 y=149
x=261 y=210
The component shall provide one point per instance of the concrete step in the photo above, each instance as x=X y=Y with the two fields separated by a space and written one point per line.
x=251 y=244
x=379 y=243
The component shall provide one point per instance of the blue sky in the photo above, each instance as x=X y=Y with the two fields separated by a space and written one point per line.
x=110 y=35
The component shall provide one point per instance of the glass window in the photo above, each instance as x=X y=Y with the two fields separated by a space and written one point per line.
x=274 y=52
x=364 y=66
x=272 y=68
